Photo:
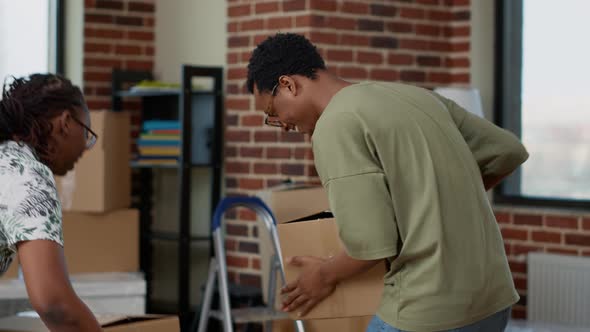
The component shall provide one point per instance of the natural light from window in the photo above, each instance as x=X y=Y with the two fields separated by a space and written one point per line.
x=556 y=99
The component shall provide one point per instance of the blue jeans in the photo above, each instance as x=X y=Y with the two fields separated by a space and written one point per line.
x=494 y=323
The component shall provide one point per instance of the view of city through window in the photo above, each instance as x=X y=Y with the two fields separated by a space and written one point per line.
x=556 y=99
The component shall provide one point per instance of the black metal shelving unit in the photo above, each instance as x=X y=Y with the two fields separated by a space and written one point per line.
x=179 y=104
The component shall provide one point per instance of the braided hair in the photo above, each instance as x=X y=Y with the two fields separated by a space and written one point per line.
x=29 y=104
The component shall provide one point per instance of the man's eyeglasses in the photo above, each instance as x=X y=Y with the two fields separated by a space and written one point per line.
x=91 y=136
x=271 y=117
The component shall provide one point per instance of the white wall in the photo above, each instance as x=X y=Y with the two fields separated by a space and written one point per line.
x=189 y=32
x=482 y=52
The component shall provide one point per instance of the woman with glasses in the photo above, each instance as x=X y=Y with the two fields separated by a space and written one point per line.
x=44 y=130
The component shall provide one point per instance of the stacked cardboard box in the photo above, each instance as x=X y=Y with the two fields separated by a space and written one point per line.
x=146 y=323
x=297 y=211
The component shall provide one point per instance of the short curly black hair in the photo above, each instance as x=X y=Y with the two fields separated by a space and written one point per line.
x=282 y=54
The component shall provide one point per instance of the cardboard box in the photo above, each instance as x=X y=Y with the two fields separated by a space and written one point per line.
x=349 y=324
x=359 y=296
x=287 y=202
x=146 y=323
x=12 y=271
x=101 y=242
x=101 y=179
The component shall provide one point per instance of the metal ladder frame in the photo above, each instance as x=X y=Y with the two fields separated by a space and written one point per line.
x=218 y=268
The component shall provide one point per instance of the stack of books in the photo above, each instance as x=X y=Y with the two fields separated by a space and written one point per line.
x=159 y=143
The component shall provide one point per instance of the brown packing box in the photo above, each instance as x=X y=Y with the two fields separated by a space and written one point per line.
x=12 y=271
x=101 y=179
x=317 y=235
x=146 y=323
x=348 y=324
x=287 y=202
x=102 y=242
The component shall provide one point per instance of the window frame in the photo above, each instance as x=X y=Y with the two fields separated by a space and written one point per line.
x=507 y=103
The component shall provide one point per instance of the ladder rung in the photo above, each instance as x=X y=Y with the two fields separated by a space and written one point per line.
x=249 y=315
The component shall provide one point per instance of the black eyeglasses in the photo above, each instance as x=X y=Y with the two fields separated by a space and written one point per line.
x=90 y=135
x=271 y=117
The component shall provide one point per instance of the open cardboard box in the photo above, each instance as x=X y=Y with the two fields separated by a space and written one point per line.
x=317 y=235
x=110 y=323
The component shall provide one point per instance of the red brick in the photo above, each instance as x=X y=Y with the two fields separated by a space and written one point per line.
x=400 y=27
x=140 y=35
x=460 y=47
x=457 y=3
x=370 y=25
x=251 y=152
x=427 y=30
x=323 y=5
x=237 y=230
x=311 y=171
x=238 y=41
x=235 y=167
x=292 y=169
x=514 y=234
x=412 y=76
x=97 y=76
x=106 y=91
x=245 y=56
x=460 y=78
x=517 y=267
x=141 y=7
x=384 y=75
x=149 y=50
x=301 y=153
x=586 y=223
x=102 y=62
x=266 y=7
x=230 y=244
x=561 y=222
x=383 y=10
x=235 y=103
x=519 y=312
x=527 y=219
x=427 y=2
x=293 y=5
x=503 y=217
x=237 y=136
x=543 y=236
x=586 y=253
x=266 y=136
x=439 y=15
x=237 y=73
x=103 y=33
x=400 y=59
x=316 y=21
x=354 y=7
x=353 y=72
x=249 y=279
x=236 y=261
x=127 y=50
x=129 y=20
x=369 y=57
x=458 y=31
x=341 y=23
x=457 y=62
x=508 y=249
x=384 y=42
x=98 y=18
x=563 y=251
x=439 y=78
x=232 y=58
x=413 y=44
x=519 y=249
x=149 y=21
x=323 y=38
x=105 y=4
x=139 y=65
x=232 y=27
x=354 y=40
x=520 y=283
x=278 y=153
x=97 y=48
x=254 y=120
x=339 y=55
x=428 y=61
x=577 y=239
x=247 y=215
x=265 y=168
x=251 y=184
x=464 y=15
x=412 y=13
x=255 y=264
x=230 y=151
x=442 y=46
x=98 y=104
x=238 y=11
x=279 y=23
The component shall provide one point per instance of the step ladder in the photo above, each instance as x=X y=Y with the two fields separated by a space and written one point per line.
x=218 y=273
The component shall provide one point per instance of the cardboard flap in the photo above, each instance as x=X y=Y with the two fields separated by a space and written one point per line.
x=315 y=216
x=115 y=320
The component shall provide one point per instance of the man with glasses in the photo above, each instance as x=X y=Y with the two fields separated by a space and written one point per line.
x=406 y=171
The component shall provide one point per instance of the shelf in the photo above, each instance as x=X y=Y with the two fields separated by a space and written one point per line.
x=135 y=164
x=157 y=93
x=170 y=236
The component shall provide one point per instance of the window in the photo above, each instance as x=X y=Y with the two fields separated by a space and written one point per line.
x=30 y=37
x=542 y=84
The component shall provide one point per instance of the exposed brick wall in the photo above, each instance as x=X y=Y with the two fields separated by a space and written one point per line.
x=527 y=230
x=117 y=34
x=423 y=42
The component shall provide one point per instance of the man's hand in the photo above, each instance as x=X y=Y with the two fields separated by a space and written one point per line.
x=310 y=288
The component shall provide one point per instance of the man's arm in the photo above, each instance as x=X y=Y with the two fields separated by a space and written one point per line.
x=318 y=278
x=49 y=288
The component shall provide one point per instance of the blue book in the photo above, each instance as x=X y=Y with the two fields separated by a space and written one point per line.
x=154 y=142
x=161 y=125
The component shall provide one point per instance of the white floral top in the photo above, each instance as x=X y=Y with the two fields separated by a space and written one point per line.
x=29 y=204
